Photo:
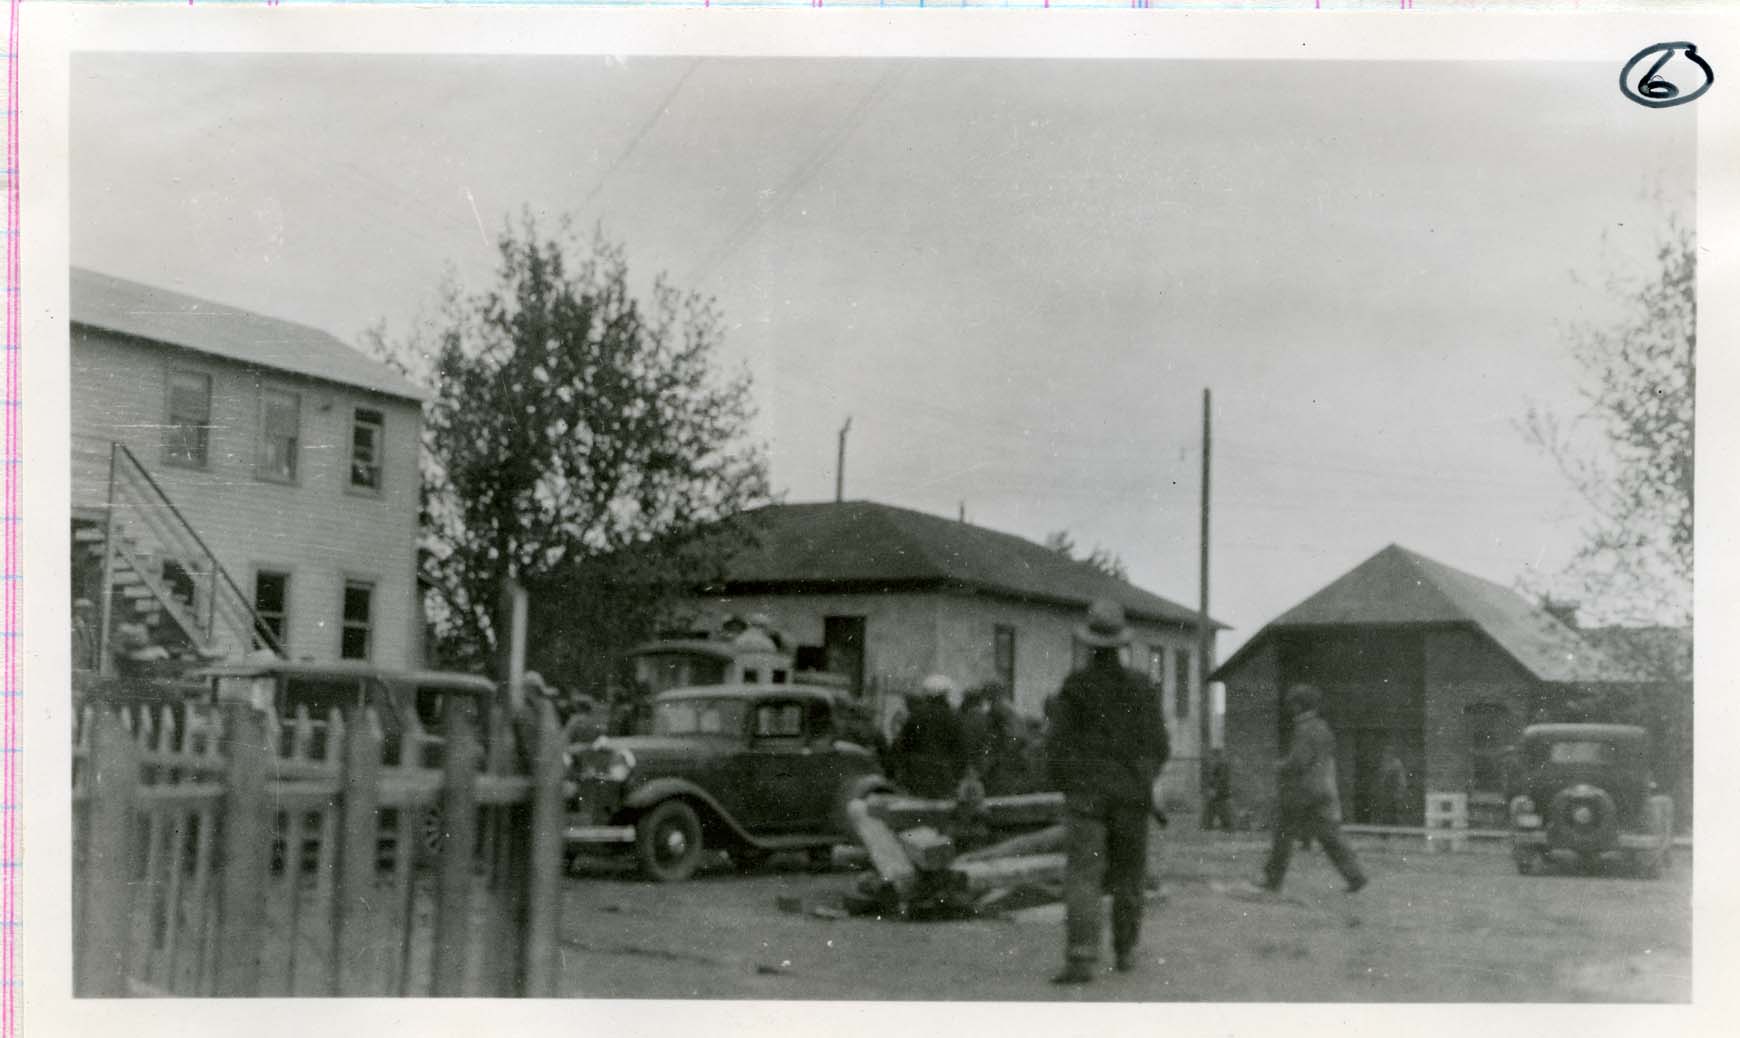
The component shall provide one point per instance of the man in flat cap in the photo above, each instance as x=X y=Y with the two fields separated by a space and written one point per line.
x=1106 y=747
x=1310 y=803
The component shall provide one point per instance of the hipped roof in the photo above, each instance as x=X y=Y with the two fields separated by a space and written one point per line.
x=862 y=543
x=148 y=312
x=1397 y=588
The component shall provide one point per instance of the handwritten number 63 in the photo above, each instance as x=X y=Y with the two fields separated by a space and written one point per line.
x=1652 y=89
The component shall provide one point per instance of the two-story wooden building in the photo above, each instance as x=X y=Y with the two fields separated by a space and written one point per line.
x=238 y=482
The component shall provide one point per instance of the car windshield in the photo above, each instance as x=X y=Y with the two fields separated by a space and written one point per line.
x=1582 y=752
x=699 y=717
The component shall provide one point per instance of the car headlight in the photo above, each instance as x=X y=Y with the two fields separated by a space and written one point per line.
x=621 y=765
x=1523 y=813
x=606 y=762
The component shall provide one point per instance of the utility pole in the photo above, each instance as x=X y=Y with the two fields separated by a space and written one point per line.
x=840 y=464
x=1204 y=633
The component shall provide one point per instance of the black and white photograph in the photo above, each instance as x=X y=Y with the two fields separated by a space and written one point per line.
x=877 y=528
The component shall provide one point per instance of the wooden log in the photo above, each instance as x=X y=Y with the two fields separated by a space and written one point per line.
x=355 y=954
x=886 y=854
x=927 y=849
x=247 y=825
x=1043 y=841
x=101 y=965
x=1025 y=809
x=981 y=876
x=453 y=923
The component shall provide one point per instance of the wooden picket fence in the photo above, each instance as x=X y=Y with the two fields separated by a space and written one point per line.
x=219 y=852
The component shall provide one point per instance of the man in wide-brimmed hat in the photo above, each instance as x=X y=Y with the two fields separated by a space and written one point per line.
x=1107 y=745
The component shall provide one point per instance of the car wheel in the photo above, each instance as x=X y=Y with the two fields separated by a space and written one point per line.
x=668 y=842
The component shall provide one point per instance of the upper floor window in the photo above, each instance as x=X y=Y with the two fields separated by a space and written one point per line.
x=354 y=642
x=187 y=432
x=280 y=434
x=367 y=430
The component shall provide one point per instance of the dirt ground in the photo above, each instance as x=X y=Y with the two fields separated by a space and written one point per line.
x=1445 y=927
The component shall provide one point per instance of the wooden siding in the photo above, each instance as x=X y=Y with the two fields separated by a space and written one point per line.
x=316 y=529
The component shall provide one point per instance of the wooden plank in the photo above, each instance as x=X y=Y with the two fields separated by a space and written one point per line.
x=981 y=876
x=146 y=899
x=241 y=922
x=101 y=969
x=1041 y=842
x=199 y=913
x=886 y=854
x=164 y=975
x=903 y=812
x=927 y=849
x=354 y=953
x=544 y=900
x=454 y=882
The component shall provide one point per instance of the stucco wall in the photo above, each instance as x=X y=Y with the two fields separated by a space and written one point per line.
x=913 y=634
x=317 y=530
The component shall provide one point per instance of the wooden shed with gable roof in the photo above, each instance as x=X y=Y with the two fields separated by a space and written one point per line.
x=1414 y=657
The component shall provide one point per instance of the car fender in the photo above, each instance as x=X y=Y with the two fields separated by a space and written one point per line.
x=644 y=797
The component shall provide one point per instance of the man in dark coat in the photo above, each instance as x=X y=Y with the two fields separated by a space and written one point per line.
x=929 y=756
x=1310 y=806
x=1106 y=746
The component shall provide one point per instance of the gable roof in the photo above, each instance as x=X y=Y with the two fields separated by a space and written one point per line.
x=865 y=543
x=147 y=312
x=1397 y=587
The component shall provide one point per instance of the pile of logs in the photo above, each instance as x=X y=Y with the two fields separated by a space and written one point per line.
x=936 y=858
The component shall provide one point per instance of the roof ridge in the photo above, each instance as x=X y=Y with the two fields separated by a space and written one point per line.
x=206 y=301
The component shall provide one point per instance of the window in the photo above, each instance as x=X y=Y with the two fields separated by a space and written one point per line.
x=1003 y=655
x=779 y=721
x=367 y=429
x=355 y=637
x=843 y=644
x=1157 y=665
x=187 y=433
x=272 y=603
x=280 y=434
x=1181 y=688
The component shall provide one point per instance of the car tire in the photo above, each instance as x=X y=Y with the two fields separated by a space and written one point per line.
x=667 y=840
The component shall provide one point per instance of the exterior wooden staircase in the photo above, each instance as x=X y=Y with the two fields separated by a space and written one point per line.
x=159 y=592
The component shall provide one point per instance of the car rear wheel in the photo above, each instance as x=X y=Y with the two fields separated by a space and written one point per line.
x=667 y=840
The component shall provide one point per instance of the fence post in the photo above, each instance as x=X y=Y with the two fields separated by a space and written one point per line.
x=108 y=913
x=354 y=933
x=241 y=923
x=543 y=898
x=453 y=923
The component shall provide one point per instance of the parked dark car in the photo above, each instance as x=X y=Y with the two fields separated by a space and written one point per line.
x=1584 y=793
x=748 y=769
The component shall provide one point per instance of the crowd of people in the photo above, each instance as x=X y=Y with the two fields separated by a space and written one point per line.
x=948 y=737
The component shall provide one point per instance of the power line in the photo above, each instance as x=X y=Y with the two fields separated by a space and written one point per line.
x=652 y=120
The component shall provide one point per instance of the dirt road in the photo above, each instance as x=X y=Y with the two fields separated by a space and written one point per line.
x=1431 y=927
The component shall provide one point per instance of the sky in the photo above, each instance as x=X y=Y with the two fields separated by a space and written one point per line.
x=1015 y=277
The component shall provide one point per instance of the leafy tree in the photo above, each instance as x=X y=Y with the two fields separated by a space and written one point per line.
x=1100 y=559
x=581 y=441
x=1629 y=452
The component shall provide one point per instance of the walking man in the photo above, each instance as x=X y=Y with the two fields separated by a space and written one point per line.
x=1310 y=807
x=1106 y=746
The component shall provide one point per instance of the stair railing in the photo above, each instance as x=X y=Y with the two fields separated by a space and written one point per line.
x=132 y=488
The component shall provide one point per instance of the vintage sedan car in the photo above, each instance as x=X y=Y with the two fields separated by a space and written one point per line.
x=748 y=769
x=1585 y=793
